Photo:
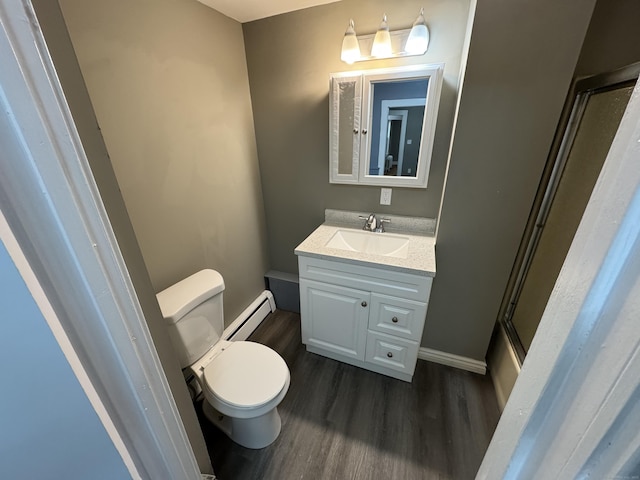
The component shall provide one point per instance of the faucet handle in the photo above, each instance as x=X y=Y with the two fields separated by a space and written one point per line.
x=381 y=222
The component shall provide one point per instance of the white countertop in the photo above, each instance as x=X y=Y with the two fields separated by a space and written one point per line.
x=421 y=256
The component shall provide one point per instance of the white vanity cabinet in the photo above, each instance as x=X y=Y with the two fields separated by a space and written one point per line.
x=365 y=316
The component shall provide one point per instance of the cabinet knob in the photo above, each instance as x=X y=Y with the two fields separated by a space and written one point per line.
x=389 y=354
x=394 y=319
x=364 y=304
x=355 y=130
x=364 y=131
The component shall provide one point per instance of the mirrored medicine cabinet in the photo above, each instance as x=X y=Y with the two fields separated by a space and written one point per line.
x=382 y=125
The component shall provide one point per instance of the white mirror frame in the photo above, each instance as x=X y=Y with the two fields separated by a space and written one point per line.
x=363 y=110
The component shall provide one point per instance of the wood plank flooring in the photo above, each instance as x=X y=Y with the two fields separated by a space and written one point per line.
x=342 y=422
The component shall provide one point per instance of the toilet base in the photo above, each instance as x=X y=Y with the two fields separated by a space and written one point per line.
x=256 y=433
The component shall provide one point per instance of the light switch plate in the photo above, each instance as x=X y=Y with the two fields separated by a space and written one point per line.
x=385 y=196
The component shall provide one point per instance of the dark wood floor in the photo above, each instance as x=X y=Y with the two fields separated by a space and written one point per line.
x=342 y=422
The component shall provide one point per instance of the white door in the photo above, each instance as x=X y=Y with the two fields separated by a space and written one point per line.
x=334 y=318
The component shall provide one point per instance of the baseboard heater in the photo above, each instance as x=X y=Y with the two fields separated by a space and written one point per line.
x=251 y=318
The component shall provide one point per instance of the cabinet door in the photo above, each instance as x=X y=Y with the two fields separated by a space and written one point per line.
x=344 y=123
x=334 y=318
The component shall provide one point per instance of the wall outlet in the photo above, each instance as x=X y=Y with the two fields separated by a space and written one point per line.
x=385 y=196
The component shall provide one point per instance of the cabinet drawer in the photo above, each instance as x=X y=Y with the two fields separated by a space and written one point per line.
x=377 y=280
x=390 y=352
x=397 y=316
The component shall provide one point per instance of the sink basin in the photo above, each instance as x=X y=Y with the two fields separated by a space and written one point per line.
x=385 y=244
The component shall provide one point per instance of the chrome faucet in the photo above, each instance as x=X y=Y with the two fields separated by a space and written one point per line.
x=372 y=224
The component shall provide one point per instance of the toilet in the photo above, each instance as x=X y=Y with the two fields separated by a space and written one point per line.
x=243 y=382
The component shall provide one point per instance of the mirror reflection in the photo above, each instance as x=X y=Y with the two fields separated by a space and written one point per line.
x=397 y=118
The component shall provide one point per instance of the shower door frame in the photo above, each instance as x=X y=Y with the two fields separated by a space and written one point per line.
x=577 y=99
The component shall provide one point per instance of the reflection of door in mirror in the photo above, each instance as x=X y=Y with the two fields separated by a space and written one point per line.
x=407 y=99
x=394 y=145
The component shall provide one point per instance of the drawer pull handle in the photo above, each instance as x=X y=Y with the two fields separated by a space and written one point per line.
x=389 y=354
x=364 y=304
x=394 y=319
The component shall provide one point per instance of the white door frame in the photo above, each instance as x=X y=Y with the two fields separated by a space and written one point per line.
x=401 y=115
x=574 y=411
x=55 y=214
x=387 y=105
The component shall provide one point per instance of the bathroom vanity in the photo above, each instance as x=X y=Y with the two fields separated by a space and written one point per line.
x=364 y=295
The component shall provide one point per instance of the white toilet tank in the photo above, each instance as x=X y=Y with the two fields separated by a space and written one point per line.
x=192 y=310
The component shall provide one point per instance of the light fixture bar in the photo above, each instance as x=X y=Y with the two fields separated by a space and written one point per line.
x=404 y=43
x=398 y=42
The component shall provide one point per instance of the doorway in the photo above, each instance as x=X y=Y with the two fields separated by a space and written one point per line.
x=599 y=103
x=396 y=133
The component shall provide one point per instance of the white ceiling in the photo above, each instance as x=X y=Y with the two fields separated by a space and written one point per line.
x=248 y=10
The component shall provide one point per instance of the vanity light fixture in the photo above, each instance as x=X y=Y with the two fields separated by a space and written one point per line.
x=382 y=41
x=418 y=40
x=350 y=45
x=385 y=43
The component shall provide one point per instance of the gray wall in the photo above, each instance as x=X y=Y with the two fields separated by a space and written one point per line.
x=148 y=63
x=610 y=43
x=49 y=428
x=290 y=58
x=168 y=82
x=521 y=61
x=59 y=44
x=612 y=38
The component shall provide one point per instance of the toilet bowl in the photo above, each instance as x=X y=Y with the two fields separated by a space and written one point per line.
x=243 y=382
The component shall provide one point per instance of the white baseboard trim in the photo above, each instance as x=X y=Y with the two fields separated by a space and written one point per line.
x=452 y=360
x=250 y=318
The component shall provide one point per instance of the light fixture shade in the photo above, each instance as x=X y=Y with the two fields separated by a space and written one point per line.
x=382 y=42
x=418 y=40
x=350 y=45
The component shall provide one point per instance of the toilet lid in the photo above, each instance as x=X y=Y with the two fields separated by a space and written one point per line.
x=246 y=375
